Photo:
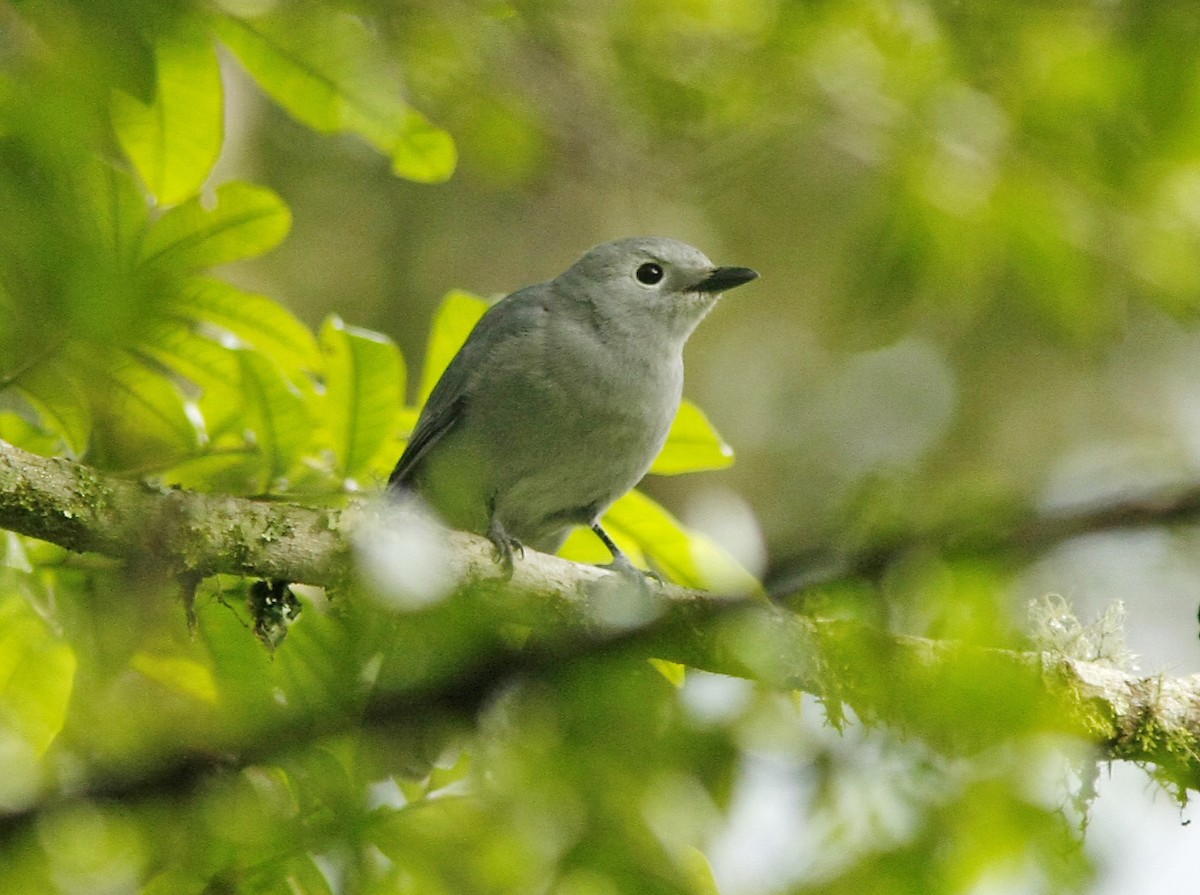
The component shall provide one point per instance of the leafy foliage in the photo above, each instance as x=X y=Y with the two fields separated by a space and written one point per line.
x=493 y=771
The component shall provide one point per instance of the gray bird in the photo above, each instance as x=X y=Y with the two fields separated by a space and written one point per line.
x=562 y=396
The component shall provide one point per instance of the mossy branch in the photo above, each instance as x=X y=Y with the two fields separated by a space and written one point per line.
x=882 y=676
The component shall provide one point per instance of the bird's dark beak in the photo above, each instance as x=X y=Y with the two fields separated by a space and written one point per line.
x=725 y=278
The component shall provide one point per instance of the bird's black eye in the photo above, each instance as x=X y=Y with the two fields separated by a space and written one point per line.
x=649 y=273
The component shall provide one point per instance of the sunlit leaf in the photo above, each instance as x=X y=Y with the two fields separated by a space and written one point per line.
x=688 y=558
x=37 y=673
x=692 y=445
x=364 y=391
x=140 y=415
x=179 y=674
x=277 y=417
x=675 y=673
x=324 y=68
x=120 y=209
x=17 y=430
x=208 y=367
x=245 y=220
x=455 y=318
x=230 y=470
x=55 y=392
x=254 y=320
x=174 y=140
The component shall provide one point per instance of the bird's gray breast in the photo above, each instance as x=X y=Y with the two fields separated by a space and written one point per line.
x=575 y=415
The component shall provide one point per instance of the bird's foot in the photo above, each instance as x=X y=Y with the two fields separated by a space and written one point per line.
x=621 y=564
x=504 y=546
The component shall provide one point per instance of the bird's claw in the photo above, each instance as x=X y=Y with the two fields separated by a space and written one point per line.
x=504 y=547
x=622 y=565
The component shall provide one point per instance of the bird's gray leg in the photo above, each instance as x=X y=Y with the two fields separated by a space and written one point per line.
x=504 y=545
x=621 y=563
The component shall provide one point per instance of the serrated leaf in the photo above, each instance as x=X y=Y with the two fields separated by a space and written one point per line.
x=174 y=140
x=693 y=445
x=326 y=70
x=245 y=220
x=252 y=319
x=37 y=673
x=364 y=391
x=53 y=389
x=276 y=415
x=455 y=318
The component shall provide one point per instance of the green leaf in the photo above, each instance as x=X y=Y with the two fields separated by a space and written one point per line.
x=324 y=68
x=693 y=445
x=17 y=430
x=455 y=318
x=120 y=208
x=364 y=391
x=232 y=471
x=277 y=416
x=53 y=389
x=174 y=140
x=254 y=320
x=206 y=365
x=246 y=220
x=688 y=558
x=37 y=673
x=179 y=674
x=140 y=416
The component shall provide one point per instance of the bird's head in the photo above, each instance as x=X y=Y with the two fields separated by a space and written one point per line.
x=651 y=282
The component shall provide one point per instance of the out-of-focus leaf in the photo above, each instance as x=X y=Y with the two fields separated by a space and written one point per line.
x=37 y=673
x=312 y=671
x=208 y=366
x=675 y=673
x=455 y=318
x=231 y=470
x=140 y=416
x=324 y=68
x=178 y=674
x=364 y=390
x=304 y=877
x=688 y=558
x=246 y=220
x=55 y=392
x=174 y=140
x=120 y=208
x=277 y=417
x=254 y=320
x=176 y=881
x=699 y=871
x=693 y=445
x=17 y=430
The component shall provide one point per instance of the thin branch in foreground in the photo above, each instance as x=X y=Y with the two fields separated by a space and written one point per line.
x=1143 y=719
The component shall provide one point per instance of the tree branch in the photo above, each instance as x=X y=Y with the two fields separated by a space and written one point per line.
x=83 y=510
x=1139 y=718
x=1025 y=537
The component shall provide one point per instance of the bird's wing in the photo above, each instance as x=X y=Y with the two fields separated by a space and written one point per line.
x=508 y=318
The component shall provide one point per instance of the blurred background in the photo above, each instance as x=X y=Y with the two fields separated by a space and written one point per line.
x=978 y=229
